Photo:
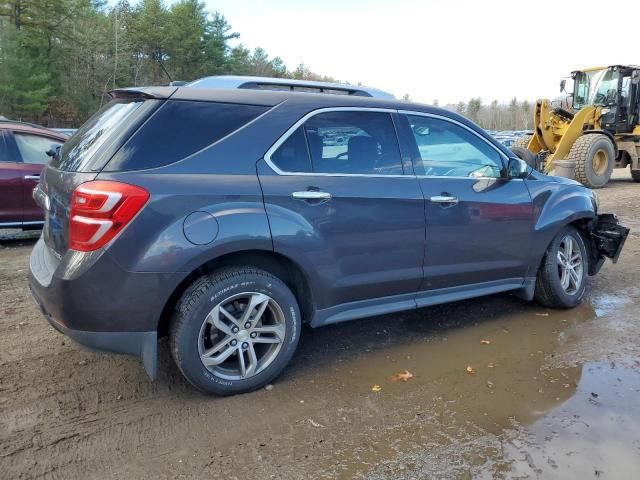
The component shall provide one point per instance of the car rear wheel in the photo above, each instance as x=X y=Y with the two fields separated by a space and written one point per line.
x=562 y=276
x=235 y=330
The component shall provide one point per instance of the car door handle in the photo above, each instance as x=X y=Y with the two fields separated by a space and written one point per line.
x=444 y=199
x=311 y=195
x=32 y=177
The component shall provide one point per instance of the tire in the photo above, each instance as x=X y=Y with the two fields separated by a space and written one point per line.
x=594 y=155
x=635 y=175
x=519 y=148
x=549 y=287
x=199 y=323
x=524 y=154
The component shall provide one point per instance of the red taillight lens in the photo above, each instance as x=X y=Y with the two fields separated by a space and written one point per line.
x=99 y=210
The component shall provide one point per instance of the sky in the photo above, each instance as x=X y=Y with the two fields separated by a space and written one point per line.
x=449 y=50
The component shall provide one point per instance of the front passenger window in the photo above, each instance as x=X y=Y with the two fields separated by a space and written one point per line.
x=445 y=149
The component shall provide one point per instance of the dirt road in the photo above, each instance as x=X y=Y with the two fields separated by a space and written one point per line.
x=555 y=394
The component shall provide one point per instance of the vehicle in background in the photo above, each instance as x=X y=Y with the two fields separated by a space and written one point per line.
x=23 y=148
x=65 y=131
x=599 y=132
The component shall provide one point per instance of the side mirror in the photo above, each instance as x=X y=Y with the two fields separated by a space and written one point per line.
x=563 y=84
x=517 y=168
x=53 y=150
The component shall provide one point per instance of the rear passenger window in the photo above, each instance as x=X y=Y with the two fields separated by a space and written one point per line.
x=342 y=142
x=179 y=129
x=353 y=142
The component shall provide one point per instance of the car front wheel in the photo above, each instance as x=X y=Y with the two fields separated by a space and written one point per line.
x=562 y=276
x=235 y=330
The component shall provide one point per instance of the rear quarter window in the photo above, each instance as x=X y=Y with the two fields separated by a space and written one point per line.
x=178 y=129
x=98 y=139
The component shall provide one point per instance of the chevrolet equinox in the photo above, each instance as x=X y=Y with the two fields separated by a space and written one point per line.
x=227 y=218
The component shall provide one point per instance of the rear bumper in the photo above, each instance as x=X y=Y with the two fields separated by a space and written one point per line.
x=607 y=239
x=92 y=300
x=143 y=345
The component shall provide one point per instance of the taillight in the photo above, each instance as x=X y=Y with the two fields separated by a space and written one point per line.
x=99 y=210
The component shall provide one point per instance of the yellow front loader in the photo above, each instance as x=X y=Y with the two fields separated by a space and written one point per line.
x=599 y=132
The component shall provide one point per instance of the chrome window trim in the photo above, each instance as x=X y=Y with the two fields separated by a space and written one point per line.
x=313 y=113
x=285 y=136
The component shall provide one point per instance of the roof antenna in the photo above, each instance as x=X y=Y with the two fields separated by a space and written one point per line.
x=172 y=82
x=165 y=70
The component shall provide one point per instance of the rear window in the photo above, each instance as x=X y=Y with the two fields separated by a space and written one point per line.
x=96 y=141
x=180 y=128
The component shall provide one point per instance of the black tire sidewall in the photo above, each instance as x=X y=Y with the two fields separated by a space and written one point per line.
x=525 y=155
x=598 y=181
x=549 y=273
x=186 y=342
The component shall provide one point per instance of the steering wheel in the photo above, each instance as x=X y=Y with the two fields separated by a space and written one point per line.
x=599 y=98
x=341 y=155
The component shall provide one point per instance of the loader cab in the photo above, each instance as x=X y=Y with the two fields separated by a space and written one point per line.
x=616 y=90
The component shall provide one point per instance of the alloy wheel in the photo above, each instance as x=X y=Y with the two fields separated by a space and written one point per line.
x=570 y=264
x=242 y=335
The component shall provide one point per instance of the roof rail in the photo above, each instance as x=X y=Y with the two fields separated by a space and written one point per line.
x=287 y=84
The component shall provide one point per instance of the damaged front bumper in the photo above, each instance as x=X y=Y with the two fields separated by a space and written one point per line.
x=607 y=238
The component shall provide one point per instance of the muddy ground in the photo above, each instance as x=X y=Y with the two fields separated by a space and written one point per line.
x=555 y=394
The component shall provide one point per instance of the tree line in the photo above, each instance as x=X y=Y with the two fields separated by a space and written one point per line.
x=515 y=115
x=58 y=58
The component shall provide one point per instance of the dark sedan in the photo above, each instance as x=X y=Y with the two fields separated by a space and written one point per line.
x=23 y=148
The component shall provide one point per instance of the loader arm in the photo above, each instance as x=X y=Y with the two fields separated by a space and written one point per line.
x=556 y=132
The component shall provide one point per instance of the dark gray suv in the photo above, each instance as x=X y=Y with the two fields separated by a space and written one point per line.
x=228 y=218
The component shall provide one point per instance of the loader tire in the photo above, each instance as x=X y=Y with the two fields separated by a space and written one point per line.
x=519 y=148
x=635 y=175
x=594 y=155
x=524 y=154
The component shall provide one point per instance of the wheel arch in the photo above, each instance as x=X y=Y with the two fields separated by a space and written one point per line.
x=281 y=266
x=581 y=224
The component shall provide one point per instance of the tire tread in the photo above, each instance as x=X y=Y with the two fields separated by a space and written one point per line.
x=579 y=152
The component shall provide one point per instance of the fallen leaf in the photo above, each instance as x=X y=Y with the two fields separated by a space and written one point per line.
x=485 y=342
x=490 y=384
x=491 y=365
x=401 y=376
x=470 y=370
x=314 y=423
x=376 y=388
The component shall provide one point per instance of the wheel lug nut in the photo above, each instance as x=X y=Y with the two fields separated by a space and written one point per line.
x=254 y=334
x=245 y=345
x=235 y=329
x=234 y=343
x=247 y=325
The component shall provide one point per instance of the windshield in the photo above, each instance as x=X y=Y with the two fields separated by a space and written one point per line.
x=598 y=87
